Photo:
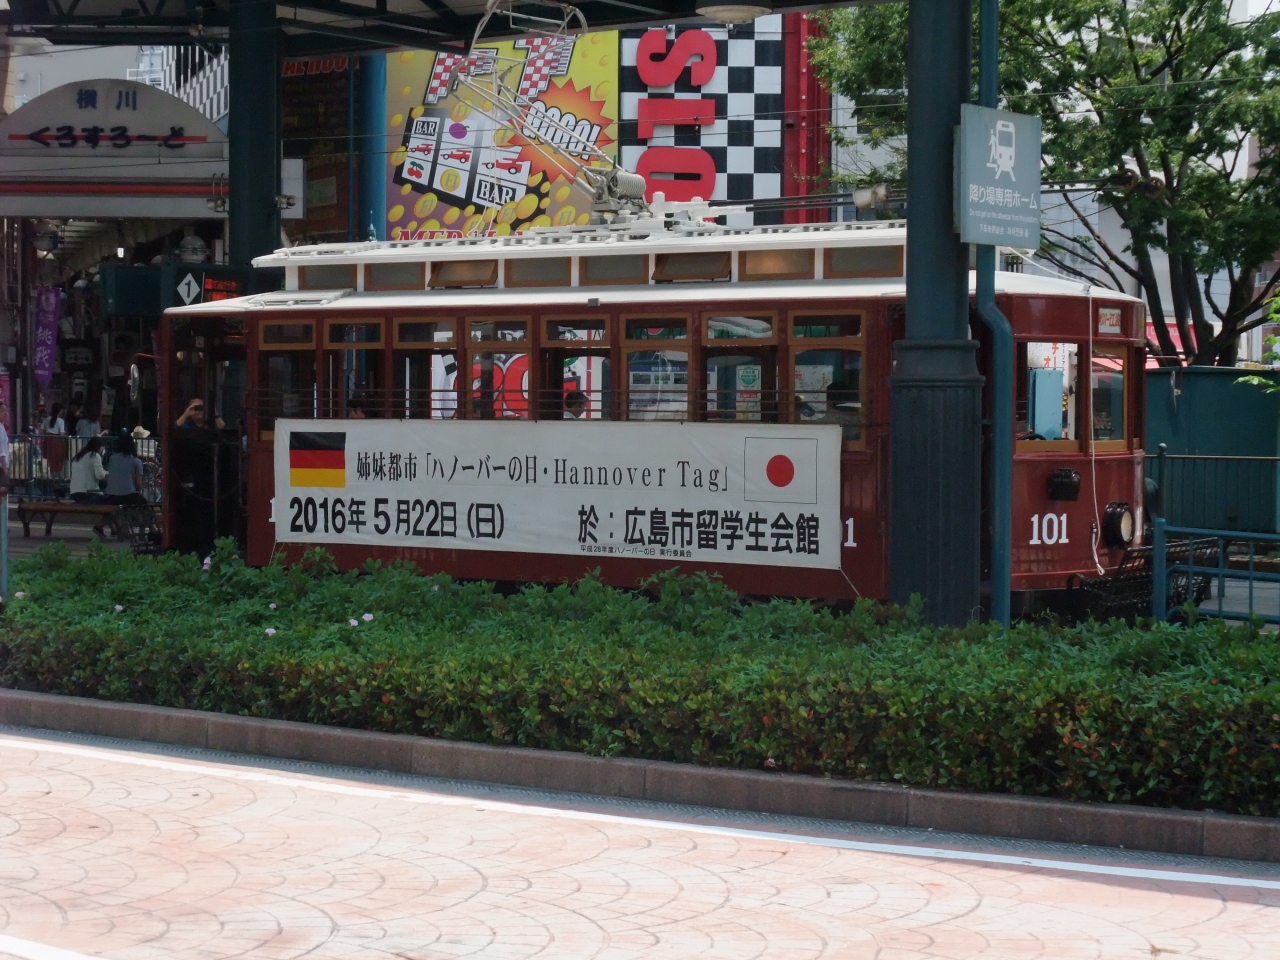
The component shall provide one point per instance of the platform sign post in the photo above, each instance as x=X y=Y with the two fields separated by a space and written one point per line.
x=997 y=196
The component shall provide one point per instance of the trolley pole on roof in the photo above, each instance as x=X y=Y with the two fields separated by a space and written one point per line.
x=254 y=130
x=935 y=422
x=1002 y=354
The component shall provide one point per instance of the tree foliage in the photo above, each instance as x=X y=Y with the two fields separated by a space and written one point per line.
x=1175 y=90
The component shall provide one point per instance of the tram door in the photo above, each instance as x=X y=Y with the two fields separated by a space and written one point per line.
x=355 y=383
x=577 y=372
x=204 y=477
x=740 y=378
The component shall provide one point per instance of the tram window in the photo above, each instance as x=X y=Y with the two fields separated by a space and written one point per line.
x=794 y=264
x=658 y=385
x=594 y=329
x=657 y=328
x=739 y=328
x=286 y=386
x=627 y=268
x=576 y=386
x=395 y=276
x=862 y=262
x=425 y=385
x=828 y=389
x=498 y=331
x=464 y=273
x=327 y=276
x=363 y=333
x=539 y=272
x=423 y=332
x=355 y=384
x=1047 y=386
x=713 y=265
x=741 y=387
x=500 y=385
x=288 y=335
x=1107 y=388
x=814 y=326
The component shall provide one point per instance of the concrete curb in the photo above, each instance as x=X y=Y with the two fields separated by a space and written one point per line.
x=999 y=815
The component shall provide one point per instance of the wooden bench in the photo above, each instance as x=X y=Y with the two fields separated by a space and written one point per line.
x=50 y=510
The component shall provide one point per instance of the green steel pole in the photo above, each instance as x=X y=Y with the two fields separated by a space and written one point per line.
x=253 y=130
x=1002 y=354
x=935 y=450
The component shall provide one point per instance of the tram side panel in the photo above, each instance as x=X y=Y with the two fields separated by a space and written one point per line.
x=1055 y=538
x=861 y=543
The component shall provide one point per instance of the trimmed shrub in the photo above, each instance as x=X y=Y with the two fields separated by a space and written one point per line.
x=1162 y=715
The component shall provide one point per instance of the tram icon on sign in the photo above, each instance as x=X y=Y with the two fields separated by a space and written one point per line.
x=1002 y=149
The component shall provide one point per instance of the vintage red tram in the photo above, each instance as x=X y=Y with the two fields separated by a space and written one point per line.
x=607 y=350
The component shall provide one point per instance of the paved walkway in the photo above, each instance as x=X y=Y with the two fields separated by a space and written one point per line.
x=131 y=852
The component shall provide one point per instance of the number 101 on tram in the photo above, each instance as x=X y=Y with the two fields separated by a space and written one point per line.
x=535 y=407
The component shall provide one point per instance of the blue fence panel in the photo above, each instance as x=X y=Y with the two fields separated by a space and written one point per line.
x=1199 y=545
x=1218 y=493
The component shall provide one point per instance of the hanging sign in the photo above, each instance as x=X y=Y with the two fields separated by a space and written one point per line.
x=48 y=309
x=997 y=195
x=724 y=493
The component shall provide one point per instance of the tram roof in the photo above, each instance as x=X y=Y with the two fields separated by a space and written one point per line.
x=642 y=235
x=309 y=301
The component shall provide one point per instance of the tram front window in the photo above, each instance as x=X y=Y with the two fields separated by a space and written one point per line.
x=1047 y=387
x=828 y=389
x=1107 y=388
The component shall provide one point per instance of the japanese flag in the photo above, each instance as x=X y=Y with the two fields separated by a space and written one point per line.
x=781 y=470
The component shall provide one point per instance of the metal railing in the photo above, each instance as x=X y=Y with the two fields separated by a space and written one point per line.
x=1231 y=561
x=40 y=465
x=644 y=400
x=1217 y=493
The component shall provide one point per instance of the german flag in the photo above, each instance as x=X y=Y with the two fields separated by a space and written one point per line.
x=317 y=459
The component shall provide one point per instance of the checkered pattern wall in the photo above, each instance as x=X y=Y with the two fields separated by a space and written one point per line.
x=209 y=91
x=745 y=141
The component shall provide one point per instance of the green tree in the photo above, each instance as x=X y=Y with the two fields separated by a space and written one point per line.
x=1176 y=91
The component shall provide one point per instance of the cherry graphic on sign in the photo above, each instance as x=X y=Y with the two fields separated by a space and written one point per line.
x=780 y=470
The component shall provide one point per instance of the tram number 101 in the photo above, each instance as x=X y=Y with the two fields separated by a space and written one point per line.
x=1049 y=528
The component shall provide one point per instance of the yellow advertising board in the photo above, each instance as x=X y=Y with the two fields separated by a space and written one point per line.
x=459 y=172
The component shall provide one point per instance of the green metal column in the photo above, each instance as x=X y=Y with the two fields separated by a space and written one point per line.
x=372 y=223
x=254 y=130
x=935 y=458
x=1002 y=353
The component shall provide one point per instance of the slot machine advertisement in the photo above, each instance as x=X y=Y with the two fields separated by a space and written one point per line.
x=459 y=172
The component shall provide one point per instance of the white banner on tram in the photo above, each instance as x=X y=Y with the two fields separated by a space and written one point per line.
x=713 y=493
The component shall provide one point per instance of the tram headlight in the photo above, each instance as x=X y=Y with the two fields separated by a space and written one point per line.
x=1117 y=525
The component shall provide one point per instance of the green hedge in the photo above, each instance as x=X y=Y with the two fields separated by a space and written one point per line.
x=1171 y=716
